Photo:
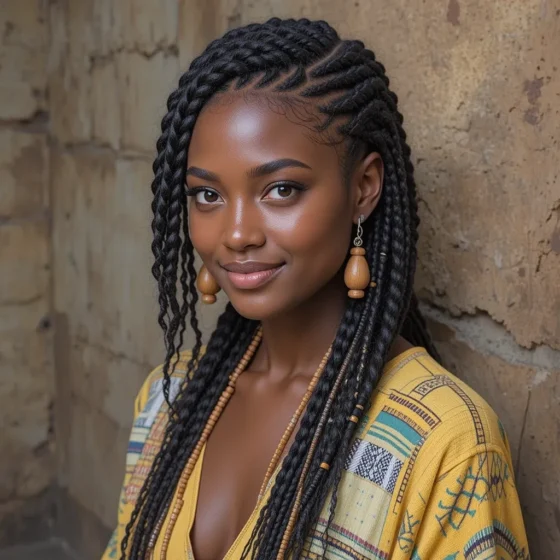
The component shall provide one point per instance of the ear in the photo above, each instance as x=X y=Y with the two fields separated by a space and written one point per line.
x=367 y=184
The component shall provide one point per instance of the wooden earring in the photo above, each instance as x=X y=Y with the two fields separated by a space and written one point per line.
x=356 y=274
x=207 y=285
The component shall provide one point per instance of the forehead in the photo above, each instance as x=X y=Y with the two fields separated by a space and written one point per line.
x=252 y=127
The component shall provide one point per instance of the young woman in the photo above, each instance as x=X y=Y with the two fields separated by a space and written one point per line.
x=317 y=422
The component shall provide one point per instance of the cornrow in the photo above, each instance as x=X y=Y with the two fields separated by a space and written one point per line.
x=284 y=60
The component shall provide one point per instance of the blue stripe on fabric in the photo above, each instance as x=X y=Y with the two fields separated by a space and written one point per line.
x=392 y=443
x=402 y=427
x=387 y=433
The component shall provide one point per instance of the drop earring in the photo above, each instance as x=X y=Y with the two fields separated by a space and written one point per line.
x=207 y=285
x=356 y=275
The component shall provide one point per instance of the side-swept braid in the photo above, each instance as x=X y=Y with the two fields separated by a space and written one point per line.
x=285 y=60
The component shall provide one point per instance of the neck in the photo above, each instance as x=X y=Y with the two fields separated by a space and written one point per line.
x=295 y=342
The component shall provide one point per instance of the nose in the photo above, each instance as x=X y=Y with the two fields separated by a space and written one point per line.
x=244 y=227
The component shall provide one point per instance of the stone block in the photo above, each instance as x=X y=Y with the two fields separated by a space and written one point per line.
x=105 y=103
x=26 y=384
x=26 y=393
x=70 y=171
x=69 y=77
x=23 y=173
x=106 y=380
x=147 y=26
x=134 y=26
x=23 y=60
x=95 y=452
x=144 y=85
x=102 y=240
x=201 y=22
x=25 y=262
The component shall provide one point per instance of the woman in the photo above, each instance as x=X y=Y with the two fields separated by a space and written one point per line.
x=282 y=155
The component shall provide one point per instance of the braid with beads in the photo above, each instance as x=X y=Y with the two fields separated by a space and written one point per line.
x=285 y=60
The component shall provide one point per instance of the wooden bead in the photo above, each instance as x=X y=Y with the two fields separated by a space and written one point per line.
x=358 y=251
x=356 y=274
x=207 y=285
x=356 y=294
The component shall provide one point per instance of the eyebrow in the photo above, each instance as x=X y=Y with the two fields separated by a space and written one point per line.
x=202 y=174
x=258 y=171
x=276 y=165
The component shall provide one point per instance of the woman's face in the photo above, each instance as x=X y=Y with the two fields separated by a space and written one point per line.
x=270 y=214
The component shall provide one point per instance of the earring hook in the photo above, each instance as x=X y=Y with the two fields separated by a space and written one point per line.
x=358 y=241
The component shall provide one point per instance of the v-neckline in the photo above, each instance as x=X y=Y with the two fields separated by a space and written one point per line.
x=195 y=481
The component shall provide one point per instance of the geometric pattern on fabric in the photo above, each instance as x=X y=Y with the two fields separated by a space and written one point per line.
x=418 y=409
x=342 y=545
x=495 y=538
x=147 y=435
x=507 y=543
x=436 y=382
x=481 y=543
x=401 y=436
x=374 y=463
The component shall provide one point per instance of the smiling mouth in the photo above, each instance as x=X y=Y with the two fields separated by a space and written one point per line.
x=251 y=275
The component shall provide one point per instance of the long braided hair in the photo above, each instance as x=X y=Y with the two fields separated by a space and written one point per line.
x=348 y=87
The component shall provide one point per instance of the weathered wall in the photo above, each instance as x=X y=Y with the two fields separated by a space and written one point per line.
x=479 y=87
x=111 y=66
x=26 y=373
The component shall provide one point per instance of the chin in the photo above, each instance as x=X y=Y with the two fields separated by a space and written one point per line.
x=259 y=306
x=256 y=309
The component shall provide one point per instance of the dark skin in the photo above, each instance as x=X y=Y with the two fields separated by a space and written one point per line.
x=299 y=218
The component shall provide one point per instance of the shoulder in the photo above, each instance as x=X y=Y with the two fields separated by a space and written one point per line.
x=421 y=406
x=152 y=388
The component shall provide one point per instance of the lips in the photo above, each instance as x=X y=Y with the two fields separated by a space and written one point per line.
x=249 y=275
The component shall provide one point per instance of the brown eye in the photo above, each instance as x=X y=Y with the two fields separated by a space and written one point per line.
x=209 y=196
x=205 y=197
x=283 y=191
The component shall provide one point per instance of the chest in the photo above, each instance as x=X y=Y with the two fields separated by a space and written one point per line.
x=237 y=457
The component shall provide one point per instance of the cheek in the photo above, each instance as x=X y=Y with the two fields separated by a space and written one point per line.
x=320 y=232
x=201 y=234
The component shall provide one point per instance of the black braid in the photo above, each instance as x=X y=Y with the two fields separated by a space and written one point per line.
x=285 y=60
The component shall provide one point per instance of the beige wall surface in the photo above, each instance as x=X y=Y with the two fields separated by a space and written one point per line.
x=83 y=88
x=27 y=466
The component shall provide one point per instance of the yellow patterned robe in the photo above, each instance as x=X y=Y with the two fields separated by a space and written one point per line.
x=428 y=476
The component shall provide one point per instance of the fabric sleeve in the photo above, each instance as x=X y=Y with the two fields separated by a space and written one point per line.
x=472 y=513
x=112 y=551
x=148 y=404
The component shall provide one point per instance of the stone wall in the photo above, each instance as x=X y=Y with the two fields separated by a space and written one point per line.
x=26 y=373
x=479 y=87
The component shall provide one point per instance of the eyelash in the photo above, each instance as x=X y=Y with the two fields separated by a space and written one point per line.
x=296 y=186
